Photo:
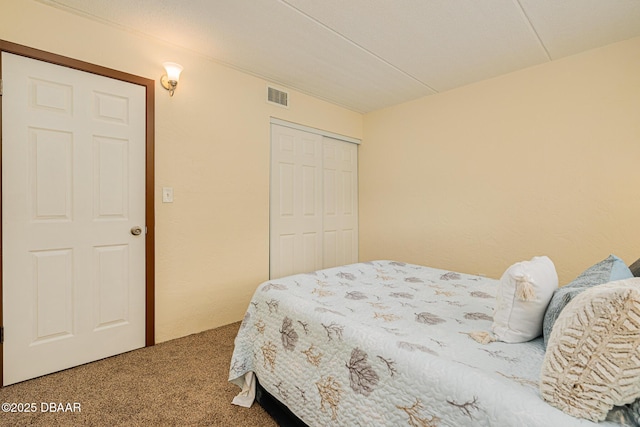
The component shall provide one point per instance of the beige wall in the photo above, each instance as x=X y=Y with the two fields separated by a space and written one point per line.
x=212 y=147
x=540 y=161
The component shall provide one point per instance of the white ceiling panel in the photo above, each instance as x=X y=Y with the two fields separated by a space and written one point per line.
x=567 y=27
x=289 y=48
x=444 y=44
x=370 y=54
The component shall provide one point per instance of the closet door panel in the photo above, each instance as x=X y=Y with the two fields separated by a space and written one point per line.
x=296 y=201
x=340 y=216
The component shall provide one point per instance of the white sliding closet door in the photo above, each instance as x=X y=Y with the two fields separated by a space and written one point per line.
x=296 y=202
x=340 y=203
x=313 y=203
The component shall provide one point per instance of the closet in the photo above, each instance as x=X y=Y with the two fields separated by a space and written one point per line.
x=313 y=200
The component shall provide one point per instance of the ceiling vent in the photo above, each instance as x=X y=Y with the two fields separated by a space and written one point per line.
x=277 y=97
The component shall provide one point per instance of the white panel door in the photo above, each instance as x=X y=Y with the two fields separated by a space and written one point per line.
x=73 y=173
x=314 y=202
x=340 y=202
x=296 y=202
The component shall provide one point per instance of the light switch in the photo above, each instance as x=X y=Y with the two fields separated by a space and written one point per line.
x=167 y=194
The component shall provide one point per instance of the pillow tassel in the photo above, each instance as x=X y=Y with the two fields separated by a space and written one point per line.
x=482 y=337
x=524 y=289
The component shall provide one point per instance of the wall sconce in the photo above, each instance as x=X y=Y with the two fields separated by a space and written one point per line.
x=169 y=81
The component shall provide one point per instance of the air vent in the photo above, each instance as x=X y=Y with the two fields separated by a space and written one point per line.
x=277 y=97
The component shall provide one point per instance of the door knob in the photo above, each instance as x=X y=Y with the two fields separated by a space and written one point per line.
x=136 y=230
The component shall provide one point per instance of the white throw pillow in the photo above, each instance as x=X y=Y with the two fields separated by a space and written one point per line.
x=523 y=295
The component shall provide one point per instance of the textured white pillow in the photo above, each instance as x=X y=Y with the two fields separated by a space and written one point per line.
x=592 y=362
x=523 y=295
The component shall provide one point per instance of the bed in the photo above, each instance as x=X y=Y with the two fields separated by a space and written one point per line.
x=387 y=343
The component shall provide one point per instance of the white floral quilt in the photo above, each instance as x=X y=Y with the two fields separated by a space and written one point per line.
x=387 y=343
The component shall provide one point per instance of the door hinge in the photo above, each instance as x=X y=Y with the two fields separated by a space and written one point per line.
x=0 y=87
x=1 y=334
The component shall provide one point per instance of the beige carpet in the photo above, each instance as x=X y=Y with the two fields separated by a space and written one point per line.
x=182 y=382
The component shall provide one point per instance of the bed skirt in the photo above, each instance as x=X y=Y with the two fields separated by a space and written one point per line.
x=278 y=411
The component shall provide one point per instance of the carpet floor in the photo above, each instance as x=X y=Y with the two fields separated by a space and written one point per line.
x=182 y=382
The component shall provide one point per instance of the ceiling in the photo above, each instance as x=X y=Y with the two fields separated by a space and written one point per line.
x=370 y=54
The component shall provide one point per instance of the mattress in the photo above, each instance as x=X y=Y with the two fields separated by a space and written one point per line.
x=388 y=343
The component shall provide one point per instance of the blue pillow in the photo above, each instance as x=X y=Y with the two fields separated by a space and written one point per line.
x=609 y=269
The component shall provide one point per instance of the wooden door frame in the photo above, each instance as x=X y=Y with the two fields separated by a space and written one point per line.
x=149 y=85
